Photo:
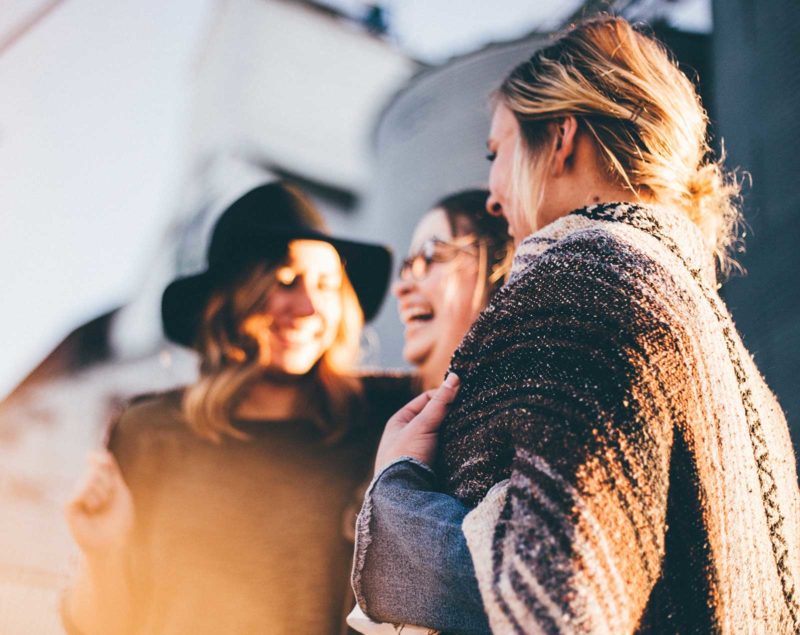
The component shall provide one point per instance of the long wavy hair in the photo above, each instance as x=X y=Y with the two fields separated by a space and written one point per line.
x=232 y=362
x=643 y=113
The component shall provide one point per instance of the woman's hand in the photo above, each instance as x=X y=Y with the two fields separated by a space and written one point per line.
x=413 y=430
x=100 y=514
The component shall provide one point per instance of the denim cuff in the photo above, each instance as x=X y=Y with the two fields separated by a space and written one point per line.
x=404 y=466
x=412 y=564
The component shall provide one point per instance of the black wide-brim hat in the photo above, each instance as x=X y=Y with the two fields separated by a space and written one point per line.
x=258 y=227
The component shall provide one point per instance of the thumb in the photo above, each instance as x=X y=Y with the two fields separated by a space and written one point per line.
x=407 y=413
x=106 y=461
x=436 y=409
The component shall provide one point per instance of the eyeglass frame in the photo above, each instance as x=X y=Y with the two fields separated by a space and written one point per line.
x=427 y=255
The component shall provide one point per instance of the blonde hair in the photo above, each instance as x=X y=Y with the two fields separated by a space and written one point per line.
x=232 y=362
x=643 y=114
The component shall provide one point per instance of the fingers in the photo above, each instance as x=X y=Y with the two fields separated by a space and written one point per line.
x=448 y=389
x=96 y=490
x=411 y=409
x=429 y=408
x=434 y=412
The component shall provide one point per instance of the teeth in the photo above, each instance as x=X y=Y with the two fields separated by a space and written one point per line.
x=416 y=313
x=296 y=337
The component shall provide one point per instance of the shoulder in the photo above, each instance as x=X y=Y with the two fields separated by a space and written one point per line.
x=152 y=408
x=622 y=248
x=385 y=392
x=380 y=384
x=591 y=289
x=592 y=255
x=145 y=435
x=146 y=416
x=594 y=272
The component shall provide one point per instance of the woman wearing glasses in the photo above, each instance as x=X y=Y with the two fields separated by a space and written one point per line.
x=459 y=257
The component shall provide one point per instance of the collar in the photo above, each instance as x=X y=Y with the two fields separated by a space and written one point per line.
x=674 y=230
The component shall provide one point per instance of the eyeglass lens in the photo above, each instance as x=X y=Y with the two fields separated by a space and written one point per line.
x=432 y=250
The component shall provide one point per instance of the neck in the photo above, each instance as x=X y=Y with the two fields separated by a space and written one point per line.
x=429 y=379
x=584 y=180
x=592 y=194
x=272 y=398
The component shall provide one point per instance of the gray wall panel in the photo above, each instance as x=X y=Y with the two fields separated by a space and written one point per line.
x=756 y=60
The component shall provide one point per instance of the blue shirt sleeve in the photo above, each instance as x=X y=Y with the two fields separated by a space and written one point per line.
x=412 y=564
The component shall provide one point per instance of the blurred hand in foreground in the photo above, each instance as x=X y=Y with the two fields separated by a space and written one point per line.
x=100 y=513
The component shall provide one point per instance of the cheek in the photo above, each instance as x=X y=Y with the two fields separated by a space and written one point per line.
x=331 y=313
x=452 y=294
x=495 y=180
x=276 y=302
x=457 y=299
x=434 y=287
x=499 y=178
x=256 y=326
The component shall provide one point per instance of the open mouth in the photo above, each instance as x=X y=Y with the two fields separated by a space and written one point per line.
x=416 y=315
x=296 y=338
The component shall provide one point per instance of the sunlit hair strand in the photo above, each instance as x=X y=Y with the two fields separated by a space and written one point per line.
x=643 y=115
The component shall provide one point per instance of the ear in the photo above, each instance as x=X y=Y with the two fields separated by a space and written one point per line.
x=566 y=131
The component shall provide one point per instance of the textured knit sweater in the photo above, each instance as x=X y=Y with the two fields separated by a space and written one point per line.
x=631 y=470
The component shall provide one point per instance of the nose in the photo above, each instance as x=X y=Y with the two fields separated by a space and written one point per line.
x=493 y=206
x=402 y=285
x=303 y=301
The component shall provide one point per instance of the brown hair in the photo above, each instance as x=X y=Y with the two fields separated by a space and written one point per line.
x=642 y=112
x=232 y=362
x=466 y=214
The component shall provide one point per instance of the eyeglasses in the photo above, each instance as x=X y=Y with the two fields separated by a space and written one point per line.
x=433 y=250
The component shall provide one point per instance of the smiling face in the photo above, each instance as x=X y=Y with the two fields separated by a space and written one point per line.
x=302 y=312
x=504 y=137
x=437 y=307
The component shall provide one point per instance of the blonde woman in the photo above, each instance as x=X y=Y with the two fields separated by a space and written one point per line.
x=221 y=508
x=612 y=461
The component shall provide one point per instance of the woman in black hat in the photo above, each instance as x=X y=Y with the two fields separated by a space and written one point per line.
x=223 y=507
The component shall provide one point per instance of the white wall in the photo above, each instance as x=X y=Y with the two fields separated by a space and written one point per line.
x=92 y=121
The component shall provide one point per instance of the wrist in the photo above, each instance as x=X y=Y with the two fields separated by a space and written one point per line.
x=385 y=464
x=404 y=466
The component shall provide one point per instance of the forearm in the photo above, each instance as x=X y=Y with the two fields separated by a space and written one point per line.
x=412 y=564
x=99 y=602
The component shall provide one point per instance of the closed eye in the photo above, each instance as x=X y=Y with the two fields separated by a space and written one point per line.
x=286 y=277
x=330 y=284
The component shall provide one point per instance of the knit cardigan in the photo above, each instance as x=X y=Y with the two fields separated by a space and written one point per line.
x=629 y=468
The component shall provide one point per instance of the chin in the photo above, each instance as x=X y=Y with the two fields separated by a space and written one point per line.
x=297 y=371
x=414 y=356
x=295 y=366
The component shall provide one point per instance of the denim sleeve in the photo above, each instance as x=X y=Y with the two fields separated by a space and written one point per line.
x=412 y=564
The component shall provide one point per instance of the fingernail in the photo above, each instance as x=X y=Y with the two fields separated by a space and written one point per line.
x=451 y=381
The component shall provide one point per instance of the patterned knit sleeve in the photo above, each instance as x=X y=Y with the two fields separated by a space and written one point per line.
x=575 y=409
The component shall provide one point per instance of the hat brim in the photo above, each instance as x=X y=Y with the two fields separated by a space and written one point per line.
x=368 y=266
